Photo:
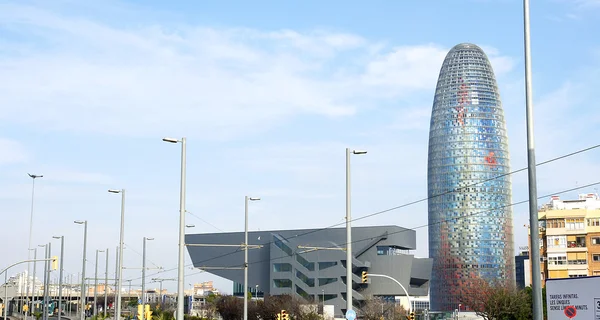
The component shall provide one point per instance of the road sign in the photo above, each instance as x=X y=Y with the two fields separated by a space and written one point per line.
x=570 y=312
x=139 y=301
x=350 y=314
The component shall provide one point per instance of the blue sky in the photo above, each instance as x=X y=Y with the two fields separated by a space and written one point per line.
x=268 y=94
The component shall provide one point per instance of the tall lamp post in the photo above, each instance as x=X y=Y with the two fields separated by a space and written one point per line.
x=83 y=293
x=120 y=258
x=105 y=286
x=60 y=274
x=144 y=277
x=181 y=262
x=349 y=231
x=536 y=282
x=96 y=284
x=33 y=177
x=247 y=199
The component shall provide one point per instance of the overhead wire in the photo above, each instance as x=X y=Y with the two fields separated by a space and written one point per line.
x=458 y=189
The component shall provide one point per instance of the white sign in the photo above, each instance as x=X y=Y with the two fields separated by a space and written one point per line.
x=573 y=298
x=350 y=314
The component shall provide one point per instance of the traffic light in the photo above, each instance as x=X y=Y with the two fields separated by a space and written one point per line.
x=284 y=315
x=54 y=263
x=148 y=313
x=364 y=277
x=140 y=312
x=411 y=316
x=279 y=316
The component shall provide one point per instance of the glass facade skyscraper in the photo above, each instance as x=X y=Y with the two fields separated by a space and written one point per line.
x=469 y=188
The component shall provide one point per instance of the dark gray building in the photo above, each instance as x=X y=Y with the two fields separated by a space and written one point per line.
x=311 y=263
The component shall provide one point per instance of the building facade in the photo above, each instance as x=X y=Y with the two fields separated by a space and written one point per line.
x=469 y=189
x=311 y=264
x=522 y=270
x=569 y=234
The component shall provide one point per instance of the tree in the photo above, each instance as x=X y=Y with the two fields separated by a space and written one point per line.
x=375 y=308
x=496 y=301
x=230 y=307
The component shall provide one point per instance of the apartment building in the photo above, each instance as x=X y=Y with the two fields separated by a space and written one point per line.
x=570 y=237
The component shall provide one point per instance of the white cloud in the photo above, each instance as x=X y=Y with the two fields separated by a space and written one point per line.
x=210 y=83
x=12 y=152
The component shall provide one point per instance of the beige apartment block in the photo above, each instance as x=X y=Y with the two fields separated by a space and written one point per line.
x=569 y=232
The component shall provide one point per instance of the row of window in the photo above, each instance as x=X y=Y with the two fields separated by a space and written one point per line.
x=572 y=223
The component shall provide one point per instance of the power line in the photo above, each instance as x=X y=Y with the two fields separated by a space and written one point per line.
x=415 y=202
x=208 y=223
x=446 y=220
x=141 y=255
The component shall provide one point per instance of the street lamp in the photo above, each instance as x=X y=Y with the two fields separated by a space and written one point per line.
x=60 y=274
x=247 y=199
x=96 y=284
x=144 y=277
x=349 y=231
x=33 y=177
x=83 y=295
x=181 y=257
x=120 y=258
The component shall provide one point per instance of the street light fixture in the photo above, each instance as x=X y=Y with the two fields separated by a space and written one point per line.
x=190 y=226
x=181 y=255
x=83 y=295
x=144 y=277
x=247 y=199
x=60 y=275
x=349 y=231
x=120 y=257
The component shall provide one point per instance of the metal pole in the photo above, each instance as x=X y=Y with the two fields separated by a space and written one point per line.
x=33 y=177
x=181 y=265
x=246 y=258
x=116 y=277
x=144 y=278
x=60 y=276
x=44 y=310
x=105 y=286
x=33 y=280
x=533 y=210
x=161 y=299
x=120 y=276
x=95 y=307
x=5 y=294
x=348 y=237
x=83 y=293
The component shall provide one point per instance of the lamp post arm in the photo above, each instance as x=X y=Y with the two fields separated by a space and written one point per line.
x=396 y=281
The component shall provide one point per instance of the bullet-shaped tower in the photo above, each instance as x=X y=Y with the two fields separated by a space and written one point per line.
x=469 y=188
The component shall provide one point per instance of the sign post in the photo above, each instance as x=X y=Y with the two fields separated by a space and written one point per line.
x=350 y=314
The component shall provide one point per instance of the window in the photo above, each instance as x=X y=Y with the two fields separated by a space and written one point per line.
x=593 y=222
x=325 y=265
x=282 y=283
x=576 y=241
x=555 y=223
x=575 y=224
x=557 y=260
x=557 y=241
x=282 y=245
x=308 y=281
x=282 y=267
x=326 y=281
x=595 y=240
x=596 y=257
x=308 y=265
